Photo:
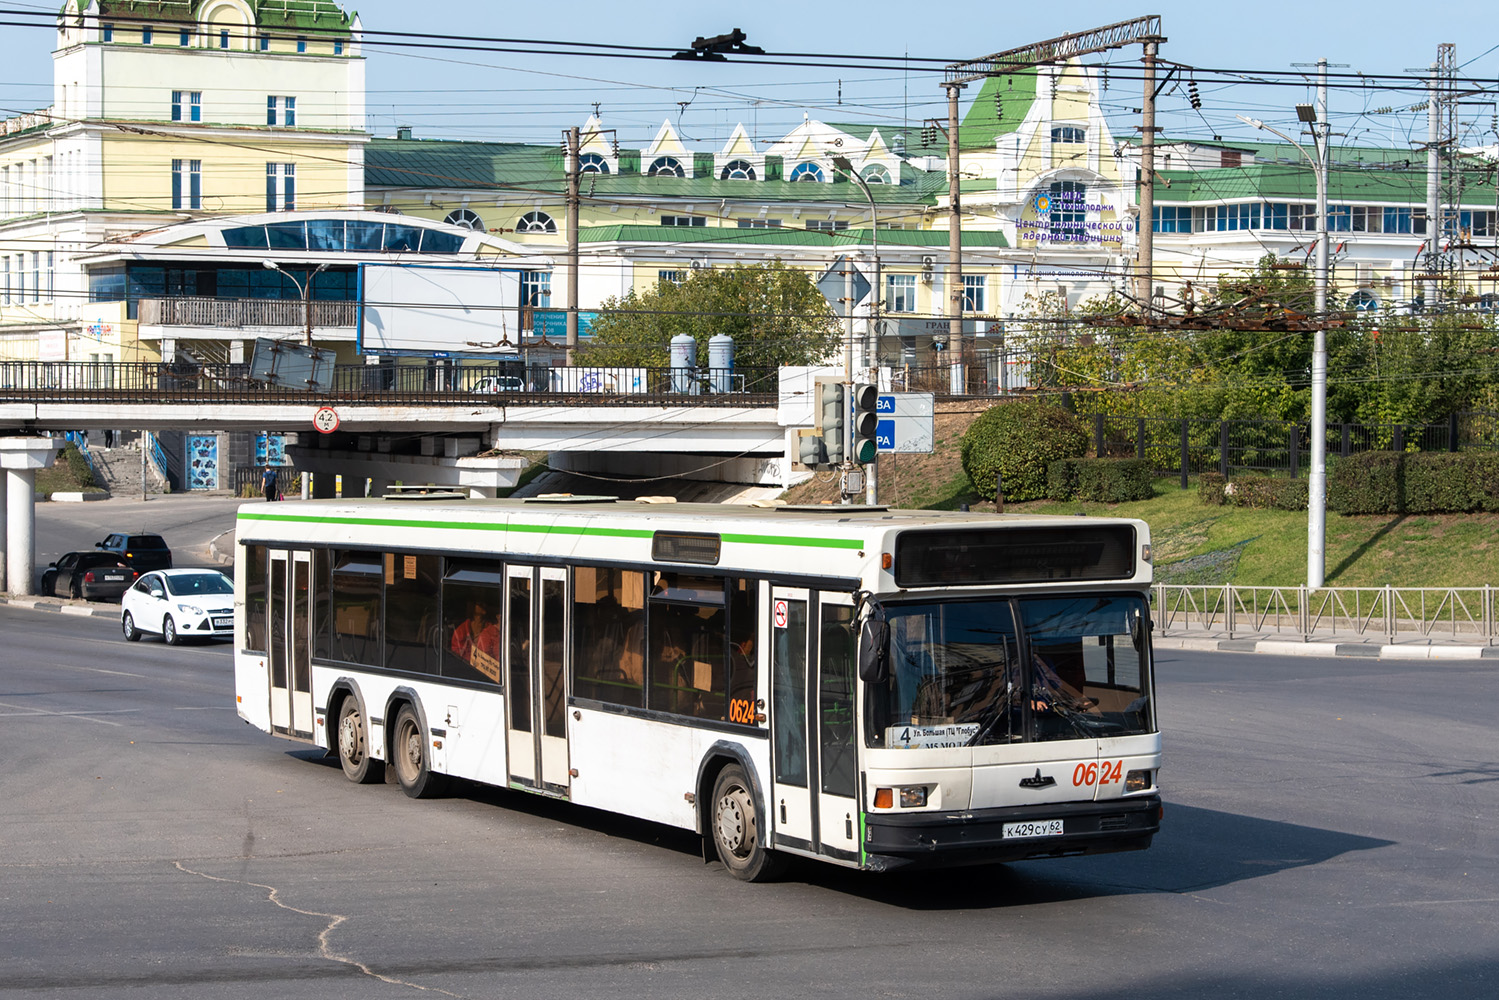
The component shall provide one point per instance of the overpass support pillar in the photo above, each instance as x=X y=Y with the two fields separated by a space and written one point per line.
x=21 y=458
x=324 y=485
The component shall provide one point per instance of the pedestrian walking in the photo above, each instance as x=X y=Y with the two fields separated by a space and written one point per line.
x=268 y=483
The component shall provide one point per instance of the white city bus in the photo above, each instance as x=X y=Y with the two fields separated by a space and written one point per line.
x=875 y=688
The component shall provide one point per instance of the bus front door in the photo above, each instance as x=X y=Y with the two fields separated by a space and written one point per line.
x=536 y=630
x=289 y=617
x=813 y=800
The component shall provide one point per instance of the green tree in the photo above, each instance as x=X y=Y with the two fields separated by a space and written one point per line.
x=775 y=314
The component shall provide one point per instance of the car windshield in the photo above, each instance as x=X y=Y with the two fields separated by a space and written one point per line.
x=147 y=542
x=981 y=672
x=186 y=584
x=91 y=559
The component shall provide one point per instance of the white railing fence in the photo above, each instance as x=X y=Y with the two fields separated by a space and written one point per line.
x=1466 y=613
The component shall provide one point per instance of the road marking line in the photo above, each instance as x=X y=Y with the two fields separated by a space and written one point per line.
x=23 y=711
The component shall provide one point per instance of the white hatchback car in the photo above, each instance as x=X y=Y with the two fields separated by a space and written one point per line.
x=178 y=604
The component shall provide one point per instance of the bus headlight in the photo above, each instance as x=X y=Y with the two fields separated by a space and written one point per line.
x=913 y=797
x=1137 y=781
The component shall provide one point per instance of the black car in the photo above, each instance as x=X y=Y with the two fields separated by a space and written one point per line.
x=141 y=553
x=89 y=575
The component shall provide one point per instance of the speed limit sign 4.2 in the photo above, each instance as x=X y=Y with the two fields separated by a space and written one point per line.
x=325 y=420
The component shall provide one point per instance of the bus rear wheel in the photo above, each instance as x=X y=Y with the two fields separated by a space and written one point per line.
x=737 y=832
x=353 y=746
x=409 y=755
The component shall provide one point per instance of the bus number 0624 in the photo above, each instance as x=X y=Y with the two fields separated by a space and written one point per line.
x=1096 y=773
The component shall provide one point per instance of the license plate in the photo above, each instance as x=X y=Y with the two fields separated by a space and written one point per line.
x=1040 y=828
x=223 y=623
x=111 y=577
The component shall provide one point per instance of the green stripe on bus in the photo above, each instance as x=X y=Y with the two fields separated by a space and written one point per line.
x=794 y=540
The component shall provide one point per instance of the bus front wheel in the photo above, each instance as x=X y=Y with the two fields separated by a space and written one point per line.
x=409 y=755
x=737 y=830
x=353 y=746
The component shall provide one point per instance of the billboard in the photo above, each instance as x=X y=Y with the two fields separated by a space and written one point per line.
x=438 y=310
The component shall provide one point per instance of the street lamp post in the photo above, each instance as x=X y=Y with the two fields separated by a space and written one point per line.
x=305 y=288
x=872 y=353
x=1316 y=506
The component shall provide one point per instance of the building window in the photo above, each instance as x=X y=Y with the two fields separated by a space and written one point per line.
x=1068 y=217
x=592 y=163
x=536 y=222
x=1363 y=301
x=194 y=105
x=758 y=223
x=737 y=170
x=6 y=295
x=280 y=197
x=1069 y=133
x=666 y=166
x=223 y=38
x=684 y=220
x=301 y=43
x=187 y=184
x=1477 y=223
x=338 y=47
x=826 y=225
x=468 y=220
x=900 y=293
x=1174 y=219
x=973 y=292
x=265 y=43
x=184 y=37
x=671 y=277
x=20 y=278
x=146 y=35
x=536 y=288
x=36 y=276
x=875 y=174
x=281 y=111
x=1339 y=219
x=1404 y=220
x=1234 y=218
x=108 y=32
x=806 y=172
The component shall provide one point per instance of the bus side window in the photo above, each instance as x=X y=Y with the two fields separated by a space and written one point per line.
x=256 y=591
x=358 y=607
x=744 y=658
x=688 y=647
x=609 y=635
x=472 y=619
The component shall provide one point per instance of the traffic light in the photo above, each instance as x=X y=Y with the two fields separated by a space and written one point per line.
x=832 y=419
x=810 y=450
x=865 y=422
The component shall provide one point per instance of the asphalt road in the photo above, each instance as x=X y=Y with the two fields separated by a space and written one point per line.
x=187 y=521
x=1329 y=832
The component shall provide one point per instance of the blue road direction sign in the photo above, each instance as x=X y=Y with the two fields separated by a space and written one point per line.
x=905 y=425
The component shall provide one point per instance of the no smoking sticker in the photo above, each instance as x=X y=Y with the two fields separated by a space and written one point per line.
x=780 y=614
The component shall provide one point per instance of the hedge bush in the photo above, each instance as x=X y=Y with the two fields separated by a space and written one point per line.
x=1115 y=480
x=1371 y=482
x=1019 y=440
x=1267 y=493
x=1210 y=486
x=1061 y=479
x=78 y=467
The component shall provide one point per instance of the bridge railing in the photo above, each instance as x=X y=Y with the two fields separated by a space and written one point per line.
x=1414 y=612
x=207 y=311
x=457 y=384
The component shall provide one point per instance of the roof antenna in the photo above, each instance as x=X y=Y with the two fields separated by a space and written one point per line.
x=596 y=109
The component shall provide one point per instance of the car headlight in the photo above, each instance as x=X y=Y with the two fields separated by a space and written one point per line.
x=189 y=609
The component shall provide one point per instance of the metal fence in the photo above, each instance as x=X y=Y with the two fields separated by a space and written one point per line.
x=1413 y=612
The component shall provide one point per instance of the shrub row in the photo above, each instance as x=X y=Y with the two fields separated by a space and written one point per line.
x=1393 y=482
x=1018 y=440
x=1262 y=492
x=1107 y=480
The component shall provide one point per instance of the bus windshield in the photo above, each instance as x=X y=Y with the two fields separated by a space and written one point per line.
x=998 y=670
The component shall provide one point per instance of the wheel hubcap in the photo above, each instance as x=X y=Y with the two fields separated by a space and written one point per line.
x=348 y=739
x=735 y=826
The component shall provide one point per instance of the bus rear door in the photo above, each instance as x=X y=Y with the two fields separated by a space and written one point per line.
x=536 y=623
x=290 y=638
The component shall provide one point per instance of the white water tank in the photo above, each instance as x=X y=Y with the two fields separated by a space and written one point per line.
x=721 y=362
x=684 y=364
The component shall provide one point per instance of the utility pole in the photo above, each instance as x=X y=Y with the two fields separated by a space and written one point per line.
x=1316 y=551
x=954 y=278
x=1145 y=265
x=1433 y=186
x=573 y=201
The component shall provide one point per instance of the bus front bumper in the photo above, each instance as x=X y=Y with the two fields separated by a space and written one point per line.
x=977 y=836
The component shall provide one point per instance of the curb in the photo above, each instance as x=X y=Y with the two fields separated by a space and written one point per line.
x=218 y=545
x=110 y=611
x=1361 y=650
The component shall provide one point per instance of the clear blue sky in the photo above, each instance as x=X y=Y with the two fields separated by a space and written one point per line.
x=527 y=97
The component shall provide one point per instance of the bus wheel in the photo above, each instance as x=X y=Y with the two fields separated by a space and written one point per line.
x=353 y=746
x=736 y=830
x=409 y=754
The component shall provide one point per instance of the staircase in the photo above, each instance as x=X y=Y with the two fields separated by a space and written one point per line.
x=119 y=470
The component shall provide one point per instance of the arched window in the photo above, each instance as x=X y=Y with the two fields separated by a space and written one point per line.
x=666 y=166
x=738 y=170
x=468 y=220
x=875 y=174
x=592 y=163
x=536 y=222
x=1363 y=301
x=806 y=172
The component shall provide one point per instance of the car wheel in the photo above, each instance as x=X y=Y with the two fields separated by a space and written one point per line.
x=75 y=591
x=353 y=746
x=49 y=584
x=736 y=829
x=169 y=631
x=409 y=754
x=127 y=625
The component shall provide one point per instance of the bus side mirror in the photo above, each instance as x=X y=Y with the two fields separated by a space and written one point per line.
x=874 y=650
